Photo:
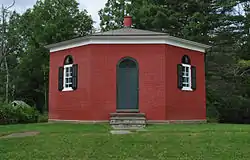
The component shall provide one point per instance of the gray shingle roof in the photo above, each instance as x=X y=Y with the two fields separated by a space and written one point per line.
x=128 y=35
x=128 y=32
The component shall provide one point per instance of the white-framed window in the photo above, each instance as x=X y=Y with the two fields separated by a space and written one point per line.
x=68 y=73
x=186 y=77
x=67 y=77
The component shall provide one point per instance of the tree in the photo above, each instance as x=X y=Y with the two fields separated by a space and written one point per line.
x=112 y=15
x=226 y=86
x=4 y=46
x=49 y=21
x=187 y=19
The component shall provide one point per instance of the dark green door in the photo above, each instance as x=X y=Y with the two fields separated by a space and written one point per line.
x=127 y=85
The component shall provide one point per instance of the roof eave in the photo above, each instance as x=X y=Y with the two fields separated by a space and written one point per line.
x=132 y=39
x=204 y=46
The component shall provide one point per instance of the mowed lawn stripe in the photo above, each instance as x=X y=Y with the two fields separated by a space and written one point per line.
x=81 y=141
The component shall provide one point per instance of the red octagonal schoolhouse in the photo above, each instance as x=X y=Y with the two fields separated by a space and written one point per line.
x=127 y=71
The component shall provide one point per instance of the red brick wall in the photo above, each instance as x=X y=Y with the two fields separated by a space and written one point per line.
x=184 y=105
x=72 y=105
x=95 y=97
x=159 y=97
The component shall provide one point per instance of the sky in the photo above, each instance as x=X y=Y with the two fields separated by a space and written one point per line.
x=92 y=6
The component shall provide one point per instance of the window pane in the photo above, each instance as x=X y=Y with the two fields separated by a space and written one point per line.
x=68 y=77
x=185 y=59
x=127 y=63
x=183 y=69
x=187 y=69
x=184 y=74
x=68 y=60
x=186 y=79
x=183 y=79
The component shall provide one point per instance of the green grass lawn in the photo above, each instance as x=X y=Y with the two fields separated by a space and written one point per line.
x=81 y=141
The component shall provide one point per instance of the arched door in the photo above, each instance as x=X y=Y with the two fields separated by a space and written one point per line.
x=127 y=85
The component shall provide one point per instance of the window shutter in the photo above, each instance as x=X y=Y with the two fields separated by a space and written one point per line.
x=193 y=76
x=74 y=76
x=179 y=76
x=60 y=79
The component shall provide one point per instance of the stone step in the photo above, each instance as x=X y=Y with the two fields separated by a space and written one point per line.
x=114 y=122
x=127 y=120
x=124 y=118
x=128 y=127
x=127 y=115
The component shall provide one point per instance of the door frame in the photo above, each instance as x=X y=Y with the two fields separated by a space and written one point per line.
x=137 y=81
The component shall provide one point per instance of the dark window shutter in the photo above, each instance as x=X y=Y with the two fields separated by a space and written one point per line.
x=179 y=76
x=193 y=75
x=60 y=79
x=74 y=76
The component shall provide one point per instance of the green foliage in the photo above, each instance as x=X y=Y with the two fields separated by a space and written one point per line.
x=7 y=114
x=47 y=22
x=18 y=114
x=235 y=110
x=43 y=118
x=190 y=20
x=112 y=15
x=244 y=63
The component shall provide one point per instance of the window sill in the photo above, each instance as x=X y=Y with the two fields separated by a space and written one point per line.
x=67 y=89
x=187 y=89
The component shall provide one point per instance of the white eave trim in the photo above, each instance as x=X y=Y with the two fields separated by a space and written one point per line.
x=174 y=41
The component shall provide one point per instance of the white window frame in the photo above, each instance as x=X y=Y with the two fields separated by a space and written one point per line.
x=64 y=78
x=189 y=88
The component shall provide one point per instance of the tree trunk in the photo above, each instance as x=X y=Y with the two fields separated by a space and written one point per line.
x=3 y=48
x=7 y=80
x=45 y=98
x=13 y=92
x=45 y=91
